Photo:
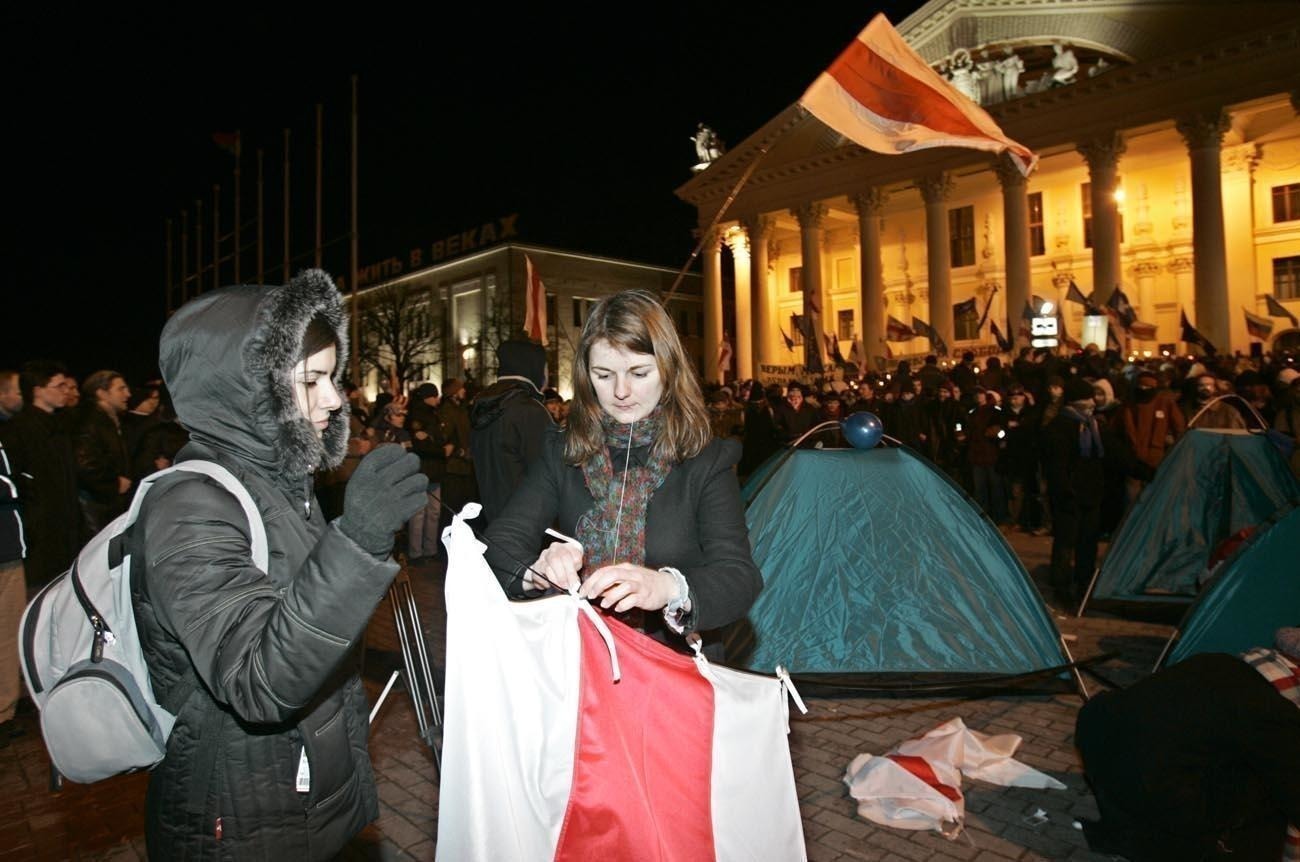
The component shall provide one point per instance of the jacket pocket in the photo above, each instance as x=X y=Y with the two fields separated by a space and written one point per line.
x=329 y=754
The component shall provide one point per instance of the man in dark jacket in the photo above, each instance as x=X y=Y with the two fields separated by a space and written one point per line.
x=268 y=757
x=508 y=422
x=1073 y=455
x=45 y=472
x=459 y=485
x=103 y=464
x=13 y=596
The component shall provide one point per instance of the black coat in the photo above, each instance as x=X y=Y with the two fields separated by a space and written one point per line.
x=1200 y=752
x=45 y=470
x=101 y=458
x=695 y=523
x=508 y=423
x=273 y=653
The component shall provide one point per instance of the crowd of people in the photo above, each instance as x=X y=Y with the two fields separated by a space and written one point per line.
x=1049 y=444
x=640 y=468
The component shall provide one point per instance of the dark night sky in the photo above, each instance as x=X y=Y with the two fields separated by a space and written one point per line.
x=576 y=122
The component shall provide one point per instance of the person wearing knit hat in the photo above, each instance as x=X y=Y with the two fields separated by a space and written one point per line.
x=1073 y=453
x=508 y=424
x=458 y=485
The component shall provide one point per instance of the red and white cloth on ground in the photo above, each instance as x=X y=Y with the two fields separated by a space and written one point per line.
x=918 y=784
x=880 y=94
x=546 y=757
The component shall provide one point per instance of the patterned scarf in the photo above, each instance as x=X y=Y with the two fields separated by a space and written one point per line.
x=1285 y=677
x=606 y=537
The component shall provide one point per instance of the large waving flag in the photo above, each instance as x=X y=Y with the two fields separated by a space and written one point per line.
x=1257 y=325
x=881 y=95
x=534 y=303
x=1277 y=309
x=559 y=744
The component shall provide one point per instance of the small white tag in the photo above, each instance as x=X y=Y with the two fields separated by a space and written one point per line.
x=303 y=782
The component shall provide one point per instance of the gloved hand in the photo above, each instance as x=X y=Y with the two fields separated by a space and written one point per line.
x=385 y=491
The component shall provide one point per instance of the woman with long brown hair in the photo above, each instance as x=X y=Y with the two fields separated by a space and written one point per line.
x=638 y=480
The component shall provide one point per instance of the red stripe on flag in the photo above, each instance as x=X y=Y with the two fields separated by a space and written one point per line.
x=920 y=767
x=643 y=764
x=885 y=90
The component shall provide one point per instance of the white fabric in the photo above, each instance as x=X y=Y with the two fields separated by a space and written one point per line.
x=889 y=794
x=511 y=715
x=510 y=727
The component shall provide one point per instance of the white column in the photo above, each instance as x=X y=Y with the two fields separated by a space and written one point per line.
x=712 y=304
x=871 y=271
x=1239 y=238
x=1015 y=215
x=1102 y=155
x=811 y=217
x=759 y=230
x=935 y=190
x=1204 y=136
x=742 y=343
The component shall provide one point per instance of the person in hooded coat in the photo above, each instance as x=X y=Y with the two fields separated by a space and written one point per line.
x=268 y=756
x=508 y=422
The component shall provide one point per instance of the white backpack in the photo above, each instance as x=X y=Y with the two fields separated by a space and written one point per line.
x=81 y=654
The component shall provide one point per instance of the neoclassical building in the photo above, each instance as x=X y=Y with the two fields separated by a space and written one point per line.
x=1169 y=165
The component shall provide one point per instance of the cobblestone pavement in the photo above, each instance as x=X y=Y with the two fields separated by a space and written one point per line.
x=105 y=821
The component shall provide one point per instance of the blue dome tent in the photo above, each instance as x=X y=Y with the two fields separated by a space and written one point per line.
x=877 y=565
x=1254 y=593
x=1211 y=485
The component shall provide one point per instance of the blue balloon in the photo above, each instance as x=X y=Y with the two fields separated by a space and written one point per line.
x=863 y=429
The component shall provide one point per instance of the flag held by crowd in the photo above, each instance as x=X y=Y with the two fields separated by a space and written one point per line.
x=534 y=303
x=1258 y=326
x=1277 y=309
x=789 y=342
x=897 y=330
x=1120 y=309
x=987 y=305
x=965 y=309
x=1075 y=295
x=546 y=757
x=880 y=94
x=1191 y=335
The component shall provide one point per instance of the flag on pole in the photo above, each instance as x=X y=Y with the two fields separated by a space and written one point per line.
x=880 y=94
x=897 y=330
x=789 y=342
x=858 y=355
x=1143 y=331
x=1120 y=309
x=987 y=306
x=1003 y=343
x=925 y=330
x=1192 y=336
x=812 y=347
x=1258 y=327
x=1076 y=295
x=534 y=303
x=1277 y=309
x=965 y=309
x=833 y=344
x=539 y=738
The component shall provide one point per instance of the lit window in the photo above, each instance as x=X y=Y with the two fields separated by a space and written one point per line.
x=1286 y=277
x=1037 y=239
x=1286 y=202
x=961 y=236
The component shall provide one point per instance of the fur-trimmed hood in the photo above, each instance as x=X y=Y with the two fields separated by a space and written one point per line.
x=226 y=358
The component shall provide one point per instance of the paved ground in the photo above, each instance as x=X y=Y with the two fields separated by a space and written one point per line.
x=105 y=821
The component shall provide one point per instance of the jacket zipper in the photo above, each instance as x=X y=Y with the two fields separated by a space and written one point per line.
x=103 y=634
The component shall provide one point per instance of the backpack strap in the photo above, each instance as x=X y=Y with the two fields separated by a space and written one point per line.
x=227 y=480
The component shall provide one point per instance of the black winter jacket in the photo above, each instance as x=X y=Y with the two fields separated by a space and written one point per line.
x=508 y=422
x=45 y=472
x=695 y=523
x=272 y=653
x=101 y=458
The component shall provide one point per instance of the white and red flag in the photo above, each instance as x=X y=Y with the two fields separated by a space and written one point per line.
x=881 y=95
x=558 y=744
x=534 y=303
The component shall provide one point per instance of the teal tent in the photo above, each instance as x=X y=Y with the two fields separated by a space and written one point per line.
x=1254 y=593
x=1211 y=485
x=876 y=563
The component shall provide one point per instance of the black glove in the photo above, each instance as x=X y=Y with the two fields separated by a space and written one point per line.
x=384 y=492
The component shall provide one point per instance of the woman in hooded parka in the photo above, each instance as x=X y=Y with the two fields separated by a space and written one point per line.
x=268 y=758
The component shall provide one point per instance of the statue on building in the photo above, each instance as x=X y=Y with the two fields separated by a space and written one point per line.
x=963 y=75
x=708 y=147
x=1010 y=68
x=1065 y=66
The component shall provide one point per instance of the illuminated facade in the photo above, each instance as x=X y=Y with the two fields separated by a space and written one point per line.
x=458 y=311
x=1170 y=166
